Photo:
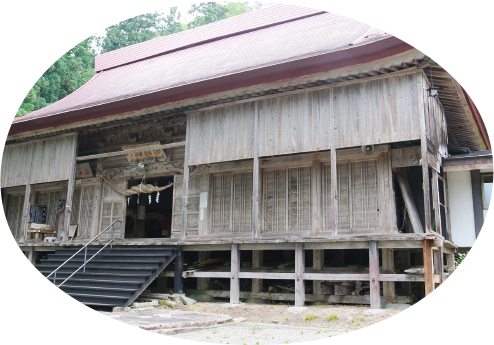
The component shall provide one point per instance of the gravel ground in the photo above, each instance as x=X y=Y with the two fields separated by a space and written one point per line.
x=247 y=333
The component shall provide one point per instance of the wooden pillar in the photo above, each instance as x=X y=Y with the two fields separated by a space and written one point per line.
x=428 y=267
x=446 y=205
x=317 y=264
x=334 y=177
x=257 y=261
x=406 y=287
x=98 y=194
x=185 y=196
x=203 y=283
x=178 y=283
x=235 y=284
x=31 y=255
x=25 y=215
x=68 y=200
x=375 y=290
x=388 y=265
x=478 y=207
x=299 y=272
x=421 y=93
x=435 y=203
x=439 y=264
x=256 y=180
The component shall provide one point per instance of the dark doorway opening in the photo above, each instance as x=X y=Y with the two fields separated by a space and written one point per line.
x=149 y=215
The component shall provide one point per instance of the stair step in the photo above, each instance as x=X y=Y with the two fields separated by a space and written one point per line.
x=110 y=293
x=74 y=294
x=99 y=301
x=104 y=285
x=100 y=275
x=108 y=260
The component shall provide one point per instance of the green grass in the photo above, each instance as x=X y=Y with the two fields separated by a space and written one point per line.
x=310 y=317
x=346 y=330
x=164 y=302
x=215 y=331
x=319 y=331
x=286 y=341
x=362 y=318
x=358 y=323
x=256 y=328
x=287 y=319
x=301 y=332
x=332 y=317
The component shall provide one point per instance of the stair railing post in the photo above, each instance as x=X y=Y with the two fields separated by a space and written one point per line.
x=111 y=245
x=85 y=255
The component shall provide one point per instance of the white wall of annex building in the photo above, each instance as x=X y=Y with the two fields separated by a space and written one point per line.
x=461 y=208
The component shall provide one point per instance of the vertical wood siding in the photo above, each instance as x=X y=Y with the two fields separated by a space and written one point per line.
x=82 y=211
x=370 y=112
x=193 y=209
x=14 y=214
x=222 y=134
x=113 y=208
x=38 y=161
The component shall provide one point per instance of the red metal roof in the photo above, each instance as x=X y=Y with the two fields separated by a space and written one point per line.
x=272 y=15
x=270 y=46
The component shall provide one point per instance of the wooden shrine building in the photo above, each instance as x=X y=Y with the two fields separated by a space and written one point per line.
x=301 y=153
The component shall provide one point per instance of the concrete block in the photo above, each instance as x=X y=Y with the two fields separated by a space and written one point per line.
x=187 y=300
x=239 y=319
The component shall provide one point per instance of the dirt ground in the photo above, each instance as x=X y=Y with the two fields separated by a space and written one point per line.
x=327 y=316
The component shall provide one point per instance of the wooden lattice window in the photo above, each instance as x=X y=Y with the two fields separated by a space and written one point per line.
x=231 y=203
x=287 y=204
x=358 y=196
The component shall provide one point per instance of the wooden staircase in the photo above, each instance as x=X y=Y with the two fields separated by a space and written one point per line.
x=114 y=278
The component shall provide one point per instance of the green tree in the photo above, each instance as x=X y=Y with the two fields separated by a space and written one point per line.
x=171 y=23
x=131 y=31
x=209 y=12
x=65 y=76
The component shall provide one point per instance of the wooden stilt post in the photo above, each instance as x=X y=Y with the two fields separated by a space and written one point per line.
x=406 y=287
x=203 y=283
x=450 y=262
x=428 y=267
x=388 y=265
x=318 y=264
x=439 y=264
x=299 y=271
x=257 y=259
x=375 y=290
x=235 y=284
x=178 y=283
x=185 y=196
x=256 y=181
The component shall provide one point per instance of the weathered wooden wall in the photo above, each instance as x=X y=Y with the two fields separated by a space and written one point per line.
x=113 y=208
x=436 y=126
x=38 y=161
x=221 y=134
x=368 y=112
x=13 y=212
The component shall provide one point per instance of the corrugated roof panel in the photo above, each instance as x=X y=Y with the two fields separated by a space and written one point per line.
x=308 y=37
x=248 y=21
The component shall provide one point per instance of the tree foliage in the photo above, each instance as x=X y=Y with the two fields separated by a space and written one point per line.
x=76 y=66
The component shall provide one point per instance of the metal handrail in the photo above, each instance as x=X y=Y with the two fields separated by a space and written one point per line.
x=85 y=250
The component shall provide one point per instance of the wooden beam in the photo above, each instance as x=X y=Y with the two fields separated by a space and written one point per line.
x=335 y=276
x=334 y=191
x=126 y=152
x=299 y=272
x=257 y=262
x=446 y=204
x=438 y=265
x=185 y=191
x=428 y=267
x=375 y=290
x=31 y=255
x=362 y=299
x=404 y=259
x=435 y=203
x=234 y=283
x=413 y=214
